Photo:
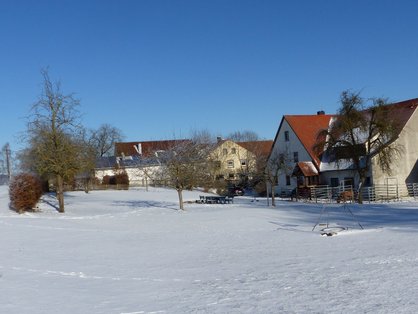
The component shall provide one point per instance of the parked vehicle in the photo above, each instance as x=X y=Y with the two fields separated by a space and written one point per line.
x=235 y=191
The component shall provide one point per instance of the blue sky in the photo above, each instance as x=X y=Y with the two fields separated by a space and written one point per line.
x=158 y=69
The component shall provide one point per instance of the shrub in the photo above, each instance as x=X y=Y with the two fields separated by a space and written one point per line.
x=112 y=180
x=25 y=190
x=122 y=178
x=106 y=180
x=260 y=188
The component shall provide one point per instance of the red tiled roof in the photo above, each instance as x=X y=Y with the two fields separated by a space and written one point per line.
x=258 y=147
x=148 y=147
x=402 y=111
x=306 y=128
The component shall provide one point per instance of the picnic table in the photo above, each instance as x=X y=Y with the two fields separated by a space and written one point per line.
x=213 y=199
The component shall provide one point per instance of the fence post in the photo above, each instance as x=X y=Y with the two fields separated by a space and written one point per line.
x=397 y=192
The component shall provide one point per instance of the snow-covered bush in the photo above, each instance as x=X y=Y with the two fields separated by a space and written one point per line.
x=25 y=190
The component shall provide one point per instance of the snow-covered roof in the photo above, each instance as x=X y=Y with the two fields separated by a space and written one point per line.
x=307 y=168
x=125 y=162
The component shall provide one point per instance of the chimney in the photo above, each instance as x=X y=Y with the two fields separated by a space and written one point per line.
x=320 y=112
x=138 y=148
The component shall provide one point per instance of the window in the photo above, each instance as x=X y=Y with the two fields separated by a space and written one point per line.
x=335 y=182
x=348 y=181
x=281 y=159
x=224 y=151
x=286 y=136
x=287 y=180
x=230 y=164
x=295 y=157
x=231 y=176
x=233 y=150
x=243 y=162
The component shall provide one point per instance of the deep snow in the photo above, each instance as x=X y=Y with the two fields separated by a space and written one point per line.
x=134 y=252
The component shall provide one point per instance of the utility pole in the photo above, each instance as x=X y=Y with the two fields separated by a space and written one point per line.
x=8 y=161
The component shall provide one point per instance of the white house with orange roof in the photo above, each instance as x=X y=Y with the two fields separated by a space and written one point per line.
x=302 y=167
x=293 y=149
x=404 y=167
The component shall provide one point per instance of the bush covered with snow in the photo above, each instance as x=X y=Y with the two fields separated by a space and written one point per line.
x=25 y=190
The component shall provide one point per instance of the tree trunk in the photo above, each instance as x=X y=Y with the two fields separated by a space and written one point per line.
x=146 y=183
x=360 y=189
x=273 y=197
x=267 y=193
x=180 y=193
x=60 y=193
x=86 y=185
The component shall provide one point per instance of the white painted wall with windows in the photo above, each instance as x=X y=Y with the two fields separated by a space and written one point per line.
x=288 y=144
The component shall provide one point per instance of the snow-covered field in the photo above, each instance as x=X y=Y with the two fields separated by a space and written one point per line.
x=133 y=252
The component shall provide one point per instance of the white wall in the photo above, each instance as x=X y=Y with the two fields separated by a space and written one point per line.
x=137 y=176
x=288 y=148
x=402 y=166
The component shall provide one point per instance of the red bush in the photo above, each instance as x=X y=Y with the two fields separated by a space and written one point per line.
x=119 y=178
x=106 y=180
x=122 y=178
x=25 y=190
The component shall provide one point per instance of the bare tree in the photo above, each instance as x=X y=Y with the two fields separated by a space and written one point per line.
x=278 y=162
x=184 y=167
x=86 y=155
x=203 y=137
x=253 y=159
x=52 y=128
x=104 y=138
x=361 y=133
x=244 y=136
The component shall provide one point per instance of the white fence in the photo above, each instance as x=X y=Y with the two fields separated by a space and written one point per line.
x=390 y=192
x=327 y=193
x=375 y=193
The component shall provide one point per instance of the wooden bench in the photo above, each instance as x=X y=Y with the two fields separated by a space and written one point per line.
x=215 y=199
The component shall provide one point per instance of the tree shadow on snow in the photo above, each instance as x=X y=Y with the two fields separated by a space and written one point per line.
x=51 y=200
x=351 y=215
x=146 y=204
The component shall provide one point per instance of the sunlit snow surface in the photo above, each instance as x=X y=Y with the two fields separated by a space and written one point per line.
x=134 y=252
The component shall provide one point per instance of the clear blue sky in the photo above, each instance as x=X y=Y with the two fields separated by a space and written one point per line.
x=157 y=69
